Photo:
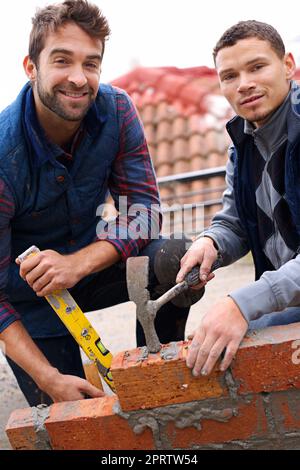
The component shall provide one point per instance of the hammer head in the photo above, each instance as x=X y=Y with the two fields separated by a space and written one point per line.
x=137 y=272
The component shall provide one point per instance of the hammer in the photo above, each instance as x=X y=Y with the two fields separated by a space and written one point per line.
x=146 y=309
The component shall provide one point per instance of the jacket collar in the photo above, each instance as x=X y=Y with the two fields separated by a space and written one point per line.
x=235 y=127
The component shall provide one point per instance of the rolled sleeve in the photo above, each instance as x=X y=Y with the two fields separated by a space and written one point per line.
x=133 y=186
x=8 y=315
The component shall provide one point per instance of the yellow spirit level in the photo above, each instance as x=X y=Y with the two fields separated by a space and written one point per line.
x=78 y=325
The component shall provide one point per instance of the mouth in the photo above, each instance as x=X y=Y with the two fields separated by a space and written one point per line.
x=74 y=95
x=251 y=100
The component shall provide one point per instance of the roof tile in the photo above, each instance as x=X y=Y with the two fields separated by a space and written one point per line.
x=164 y=131
x=163 y=155
x=180 y=149
x=179 y=127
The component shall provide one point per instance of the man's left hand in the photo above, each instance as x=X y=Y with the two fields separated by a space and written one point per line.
x=222 y=328
x=49 y=271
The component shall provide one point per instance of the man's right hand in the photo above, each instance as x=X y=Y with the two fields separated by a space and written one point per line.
x=203 y=253
x=68 y=387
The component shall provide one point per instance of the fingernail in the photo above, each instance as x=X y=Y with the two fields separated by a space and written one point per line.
x=195 y=373
x=204 y=372
x=203 y=277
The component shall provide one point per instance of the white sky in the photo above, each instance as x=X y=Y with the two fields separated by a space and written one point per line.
x=147 y=32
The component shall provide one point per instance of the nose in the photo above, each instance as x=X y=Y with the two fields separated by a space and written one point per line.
x=77 y=77
x=246 y=83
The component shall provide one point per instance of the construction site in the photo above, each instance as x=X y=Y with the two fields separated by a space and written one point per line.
x=158 y=404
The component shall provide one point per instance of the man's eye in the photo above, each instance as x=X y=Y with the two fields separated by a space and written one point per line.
x=91 y=65
x=60 y=61
x=228 y=78
x=258 y=67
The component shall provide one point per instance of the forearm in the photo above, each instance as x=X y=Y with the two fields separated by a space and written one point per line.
x=95 y=258
x=273 y=292
x=22 y=350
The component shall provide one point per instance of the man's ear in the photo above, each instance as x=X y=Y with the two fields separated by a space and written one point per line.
x=30 y=68
x=290 y=65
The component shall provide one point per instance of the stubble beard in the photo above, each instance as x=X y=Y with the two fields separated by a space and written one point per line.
x=52 y=102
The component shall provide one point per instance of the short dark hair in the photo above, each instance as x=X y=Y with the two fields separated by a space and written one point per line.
x=48 y=19
x=251 y=29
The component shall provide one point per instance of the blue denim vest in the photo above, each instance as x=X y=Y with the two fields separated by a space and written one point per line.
x=55 y=208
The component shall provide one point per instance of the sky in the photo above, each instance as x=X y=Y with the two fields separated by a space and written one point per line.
x=149 y=33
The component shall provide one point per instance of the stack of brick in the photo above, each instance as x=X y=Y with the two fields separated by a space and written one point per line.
x=184 y=115
x=160 y=405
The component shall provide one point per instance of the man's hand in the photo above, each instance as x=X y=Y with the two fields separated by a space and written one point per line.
x=49 y=271
x=68 y=387
x=201 y=252
x=223 y=327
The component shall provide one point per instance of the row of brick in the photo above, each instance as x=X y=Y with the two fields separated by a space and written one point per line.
x=255 y=421
x=160 y=405
x=95 y=425
x=267 y=361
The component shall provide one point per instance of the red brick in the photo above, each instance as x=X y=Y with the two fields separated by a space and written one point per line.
x=158 y=382
x=264 y=362
x=79 y=425
x=20 y=430
x=93 y=425
x=249 y=422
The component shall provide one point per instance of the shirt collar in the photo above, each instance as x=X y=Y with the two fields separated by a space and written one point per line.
x=238 y=128
x=279 y=117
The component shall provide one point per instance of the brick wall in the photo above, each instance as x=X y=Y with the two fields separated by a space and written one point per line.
x=160 y=405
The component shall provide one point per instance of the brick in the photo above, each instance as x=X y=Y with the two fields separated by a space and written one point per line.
x=80 y=425
x=286 y=410
x=157 y=381
x=266 y=361
x=92 y=374
x=248 y=421
x=20 y=430
x=93 y=425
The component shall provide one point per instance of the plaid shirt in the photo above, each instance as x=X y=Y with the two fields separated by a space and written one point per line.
x=132 y=176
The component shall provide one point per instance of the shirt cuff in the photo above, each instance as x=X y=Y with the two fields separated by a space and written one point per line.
x=255 y=300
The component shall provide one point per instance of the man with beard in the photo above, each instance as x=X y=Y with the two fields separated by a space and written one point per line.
x=261 y=205
x=64 y=143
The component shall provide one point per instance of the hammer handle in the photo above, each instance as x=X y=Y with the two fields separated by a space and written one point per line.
x=192 y=278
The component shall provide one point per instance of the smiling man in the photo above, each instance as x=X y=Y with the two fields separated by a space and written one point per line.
x=64 y=144
x=261 y=205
